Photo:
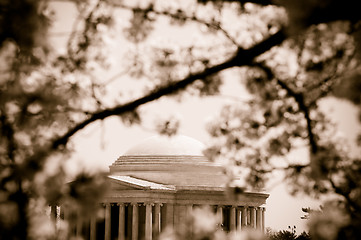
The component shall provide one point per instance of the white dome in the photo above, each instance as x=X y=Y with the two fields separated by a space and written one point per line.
x=176 y=160
x=164 y=145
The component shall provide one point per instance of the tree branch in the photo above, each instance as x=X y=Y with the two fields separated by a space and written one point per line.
x=346 y=195
x=299 y=98
x=241 y=58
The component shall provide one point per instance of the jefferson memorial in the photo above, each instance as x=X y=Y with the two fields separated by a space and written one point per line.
x=158 y=183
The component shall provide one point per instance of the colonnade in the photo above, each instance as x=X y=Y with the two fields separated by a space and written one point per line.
x=146 y=220
x=238 y=217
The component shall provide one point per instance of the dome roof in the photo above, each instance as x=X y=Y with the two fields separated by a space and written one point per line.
x=164 y=145
x=177 y=160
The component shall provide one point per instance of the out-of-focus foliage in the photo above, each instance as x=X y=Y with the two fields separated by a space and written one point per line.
x=203 y=224
x=41 y=96
x=167 y=125
x=289 y=55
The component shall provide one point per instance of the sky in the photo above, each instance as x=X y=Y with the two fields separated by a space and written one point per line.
x=101 y=143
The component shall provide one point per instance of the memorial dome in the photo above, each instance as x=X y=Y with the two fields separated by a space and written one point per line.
x=167 y=145
x=177 y=160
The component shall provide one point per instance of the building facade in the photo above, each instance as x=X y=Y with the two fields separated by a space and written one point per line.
x=158 y=183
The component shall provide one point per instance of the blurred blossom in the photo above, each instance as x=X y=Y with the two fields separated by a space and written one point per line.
x=249 y=234
x=202 y=224
x=168 y=125
x=41 y=226
x=204 y=221
x=8 y=214
x=326 y=225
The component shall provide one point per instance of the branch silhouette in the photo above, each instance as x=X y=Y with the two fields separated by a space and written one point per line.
x=242 y=57
x=303 y=107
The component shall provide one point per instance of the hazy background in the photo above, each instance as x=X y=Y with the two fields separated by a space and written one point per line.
x=101 y=143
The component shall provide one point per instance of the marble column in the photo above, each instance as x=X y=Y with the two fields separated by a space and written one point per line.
x=258 y=218
x=135 y=222
x=244 y=214
x=121 y=230
x=53 y=212
x=188 y=216
x=238 y=218
x=107 y=221
x=248 y=216
x=54 y=215
x=148 y=221
x=232 y=218
x=220 y=216
x=252 y=216
x=157 y=220
x=93 y=233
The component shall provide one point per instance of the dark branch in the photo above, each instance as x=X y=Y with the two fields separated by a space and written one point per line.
x=241 y=58
x=299 y=98
x=346 y=195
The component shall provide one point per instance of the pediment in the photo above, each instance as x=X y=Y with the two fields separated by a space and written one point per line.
x=119 y=186
x=132 y=183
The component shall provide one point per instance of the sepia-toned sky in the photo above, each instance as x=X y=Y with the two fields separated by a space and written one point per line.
x=98 y=145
